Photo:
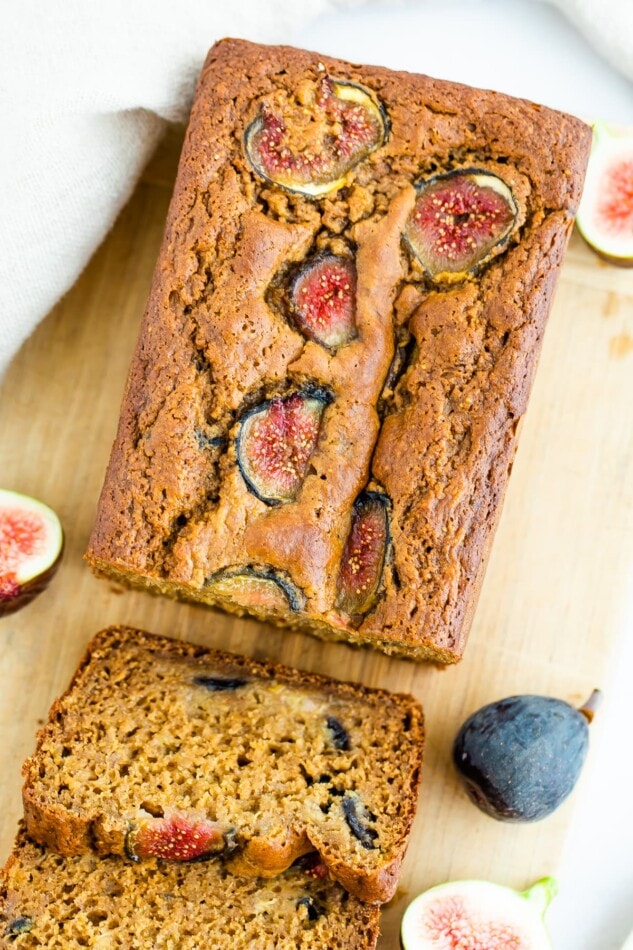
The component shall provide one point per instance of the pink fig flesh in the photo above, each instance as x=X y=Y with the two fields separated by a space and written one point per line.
x=451 y=922
x=276 y=442
x=605 y=215
x=324 y=301
x=308 y=142
x=616 y=205
x=175 y=837
x=31 y=542
x=478 y=915
x=363 y=558
x=459 y=222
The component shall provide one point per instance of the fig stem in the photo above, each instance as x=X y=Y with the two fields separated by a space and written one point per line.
x=589 y=708
x=541 y=894
x=602 y=131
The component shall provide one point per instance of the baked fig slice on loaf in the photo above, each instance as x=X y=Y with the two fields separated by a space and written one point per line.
x=307 y=140
x=363 y=558
x=276 y=441
x=460 y=221
x=323 y=300
x=256 y=589
x=163 y=749
x=47 y=900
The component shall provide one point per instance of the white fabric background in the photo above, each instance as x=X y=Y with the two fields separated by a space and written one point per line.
x=85 y=89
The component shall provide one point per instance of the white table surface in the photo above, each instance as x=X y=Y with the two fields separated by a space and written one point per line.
x=528 y=49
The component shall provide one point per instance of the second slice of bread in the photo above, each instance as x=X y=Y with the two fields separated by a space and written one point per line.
x=164 y=748
x=47 y=900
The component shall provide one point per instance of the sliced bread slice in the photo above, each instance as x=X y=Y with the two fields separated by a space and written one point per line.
x=47 y=900
x=167 y=749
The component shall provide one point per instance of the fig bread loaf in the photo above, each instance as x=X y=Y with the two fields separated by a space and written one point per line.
x=165 y=749
x=47 y=900
x=322 y=410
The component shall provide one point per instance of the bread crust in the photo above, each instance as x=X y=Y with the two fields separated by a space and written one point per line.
x=438 y=441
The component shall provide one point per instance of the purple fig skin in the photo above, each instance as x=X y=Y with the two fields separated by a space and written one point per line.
x=519 y=758
x=25 y=593
x=31 y=589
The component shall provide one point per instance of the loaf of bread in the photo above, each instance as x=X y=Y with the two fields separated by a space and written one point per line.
x=166 y=749
x=345 y=319
x=61 y=903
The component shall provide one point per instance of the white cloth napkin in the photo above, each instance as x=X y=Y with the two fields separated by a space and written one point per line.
x=86 y=87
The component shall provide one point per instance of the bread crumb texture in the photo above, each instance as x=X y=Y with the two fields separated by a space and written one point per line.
x=56 y=902
x=164 y=749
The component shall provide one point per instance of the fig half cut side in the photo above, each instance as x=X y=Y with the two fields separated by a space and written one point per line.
x=275 y=443
x=478 y=915
x=363 y=560
x=605 y=215
x=31 y=543
x=460 y=221
x=257 y=589
x=323 y=300
x=309 y=146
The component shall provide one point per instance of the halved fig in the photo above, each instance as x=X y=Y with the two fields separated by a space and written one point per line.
x=275 y=442
x=31 y=543
x=460 y=221
x=175 y=837
x=364 y=554
x=605 y=215
x=257 y=589
x=308 y=141
x=478 y=915
x=323 y=300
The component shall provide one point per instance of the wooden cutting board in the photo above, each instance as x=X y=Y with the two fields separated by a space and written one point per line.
x=549 y=613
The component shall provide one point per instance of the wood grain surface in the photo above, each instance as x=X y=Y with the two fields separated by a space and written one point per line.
x=548 y=617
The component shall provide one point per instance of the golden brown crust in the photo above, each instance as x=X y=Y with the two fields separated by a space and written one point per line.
x=77 y=796
x=439 y=440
